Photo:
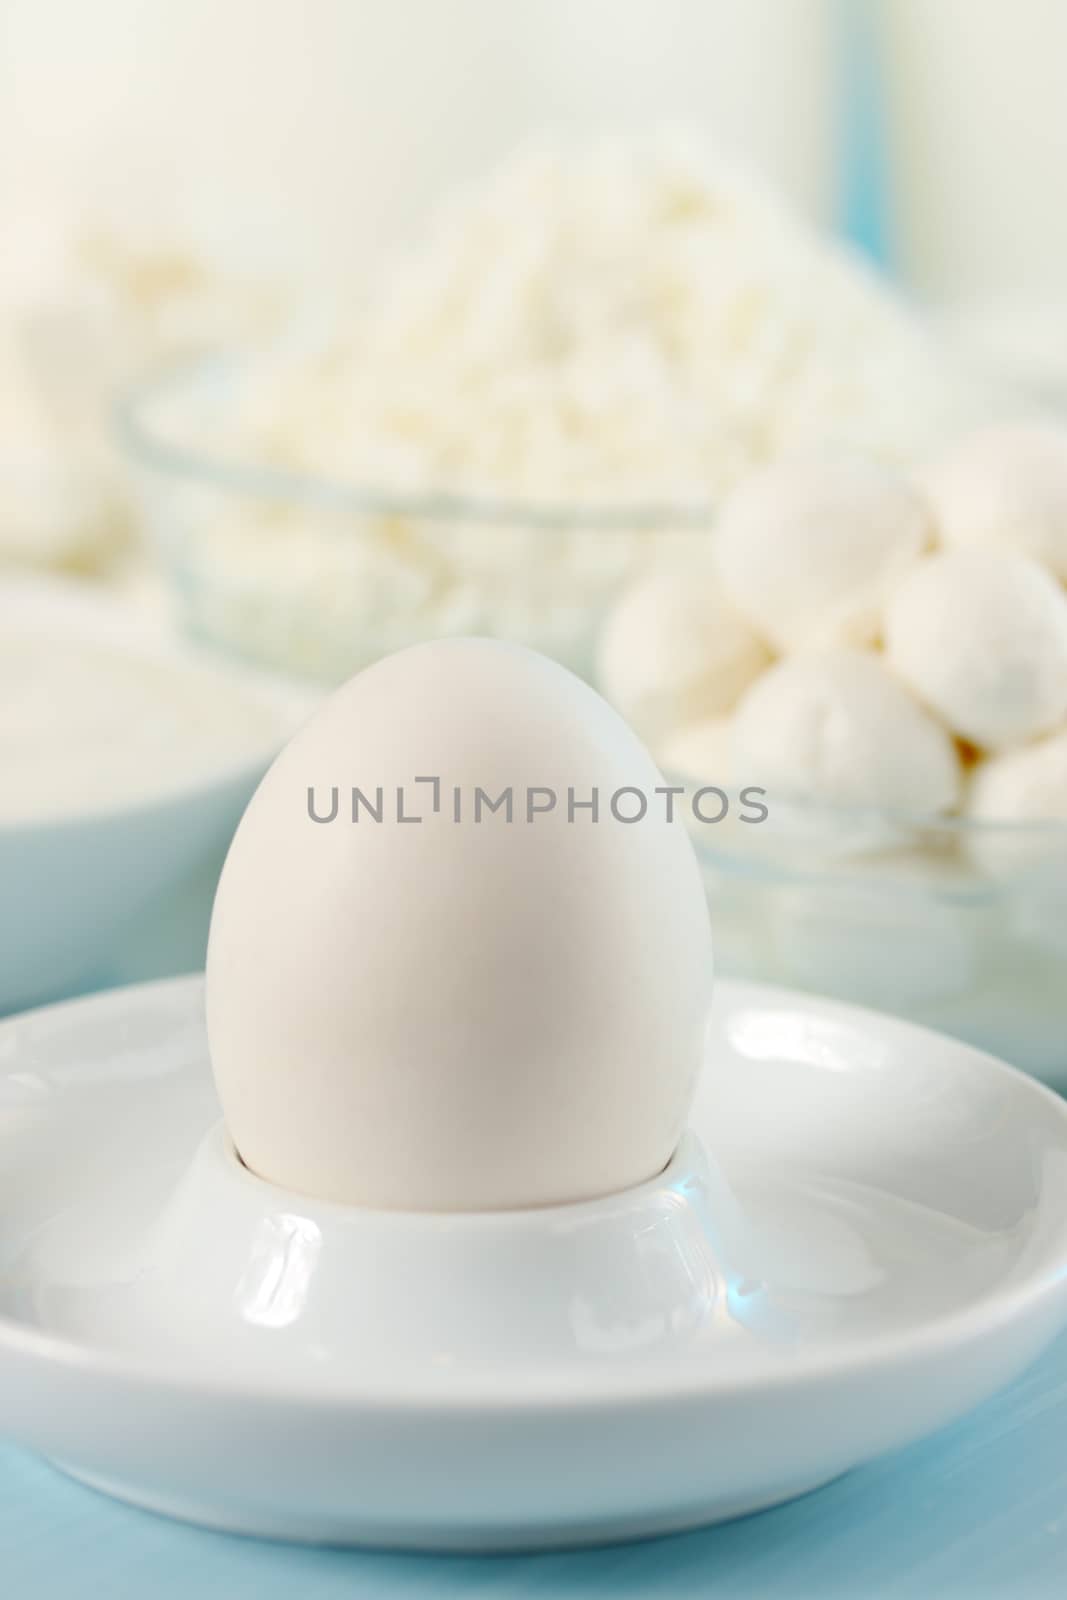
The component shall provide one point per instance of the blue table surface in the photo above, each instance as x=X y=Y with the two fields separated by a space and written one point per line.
x=980 y=1510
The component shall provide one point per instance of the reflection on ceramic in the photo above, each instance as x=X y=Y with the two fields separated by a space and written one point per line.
x=81 y=873
x=863 y=1234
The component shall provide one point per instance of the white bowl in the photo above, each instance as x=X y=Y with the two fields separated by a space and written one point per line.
x=74 y=882
x=863 y=1235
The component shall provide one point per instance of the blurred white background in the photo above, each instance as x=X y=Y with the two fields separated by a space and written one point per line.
x=314 y=131
x=309 y=135
x=979 y=139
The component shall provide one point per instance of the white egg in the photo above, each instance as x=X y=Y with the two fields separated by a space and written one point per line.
x=468 y=1014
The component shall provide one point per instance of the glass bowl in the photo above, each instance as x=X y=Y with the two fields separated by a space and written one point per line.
x=320 y=577
x=954 y=923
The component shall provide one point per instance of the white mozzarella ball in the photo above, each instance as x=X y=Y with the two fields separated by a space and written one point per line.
x=703 y=751
x=980 y=636
x=1020 y=797
x=808 y=549
x=1025 y=785
x=674 y=650
x=836 y=725
x=718 y=810
x=1007 y=486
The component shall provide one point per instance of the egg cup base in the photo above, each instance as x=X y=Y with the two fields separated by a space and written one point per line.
x=863 y=1235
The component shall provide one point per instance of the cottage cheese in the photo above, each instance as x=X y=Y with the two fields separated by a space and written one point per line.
x=630 y=328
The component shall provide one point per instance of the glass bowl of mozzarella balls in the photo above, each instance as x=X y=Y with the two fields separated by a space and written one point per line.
x=861 y=687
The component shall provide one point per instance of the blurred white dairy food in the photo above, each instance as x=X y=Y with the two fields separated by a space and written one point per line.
x=701 y=750
x=373 y=583
x=675 y=650
x=57 y=511
x=808 y=549
x=701 y=756
x=93 y=306
x=78 y=320
x=836 y=726
x=980 y=636
x=1006 y=485
x=624 y=329
x=1024 y=785
x=633 y=323
x=59 y=506
x=85 y=726
x=1028 y=785
x=126 y=759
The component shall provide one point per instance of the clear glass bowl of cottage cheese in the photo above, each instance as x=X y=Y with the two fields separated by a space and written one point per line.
x=553 y=387
x=317 y=575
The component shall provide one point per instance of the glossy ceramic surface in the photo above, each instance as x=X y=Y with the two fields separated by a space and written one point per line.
x=864 y=1234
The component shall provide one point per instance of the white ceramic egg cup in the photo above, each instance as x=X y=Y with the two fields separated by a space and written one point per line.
x=863 y=1235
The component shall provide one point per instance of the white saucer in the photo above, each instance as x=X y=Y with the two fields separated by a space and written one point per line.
x=864 y=1234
